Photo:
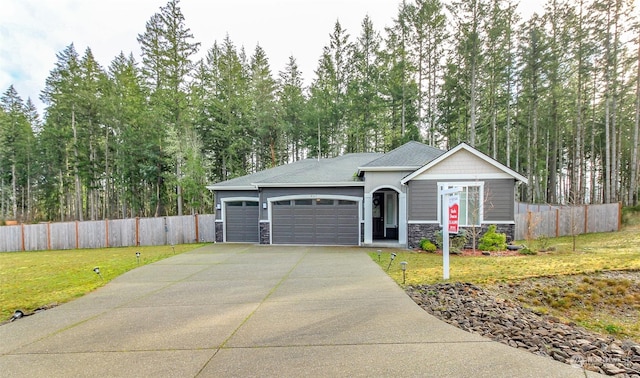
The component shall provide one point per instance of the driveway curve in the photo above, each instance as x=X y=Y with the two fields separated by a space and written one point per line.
x=237 y=310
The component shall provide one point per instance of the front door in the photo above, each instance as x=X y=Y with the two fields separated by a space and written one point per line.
x=378 y=216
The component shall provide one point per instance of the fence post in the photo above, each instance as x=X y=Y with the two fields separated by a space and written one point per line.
x=557 y=222
x=586 y=219
x=106 y=233
x=619 y=216
x=137 y=231
x=77 y=236
x=22 y=236
x=49 y=235
x=197 y=233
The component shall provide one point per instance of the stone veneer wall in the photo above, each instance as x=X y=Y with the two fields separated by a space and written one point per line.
x=417 y=232
x=219 y=232
x=264 y=233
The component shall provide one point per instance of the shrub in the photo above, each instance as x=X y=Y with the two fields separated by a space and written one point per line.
x=427 y=245
x=527 y=251
x=492 y=240
x=456 y=242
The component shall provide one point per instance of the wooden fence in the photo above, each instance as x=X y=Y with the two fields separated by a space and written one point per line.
x=533 y=221
x=108 y=233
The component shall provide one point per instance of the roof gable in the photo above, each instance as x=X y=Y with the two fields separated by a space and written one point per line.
x=457 y=162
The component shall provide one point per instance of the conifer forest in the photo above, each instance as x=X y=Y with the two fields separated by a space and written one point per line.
x=556 y=97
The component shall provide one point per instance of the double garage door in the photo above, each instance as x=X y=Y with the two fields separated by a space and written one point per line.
x=301 y=221
x=315 y=221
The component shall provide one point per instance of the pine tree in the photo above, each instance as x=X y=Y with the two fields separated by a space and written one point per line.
x=269 y=140
x=167 y=49
x=292 y=105
x=365 y=105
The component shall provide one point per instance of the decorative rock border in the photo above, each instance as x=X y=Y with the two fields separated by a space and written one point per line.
x=474 y=310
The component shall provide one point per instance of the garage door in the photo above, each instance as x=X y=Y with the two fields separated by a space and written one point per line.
x=242 y=221
x=315 y=221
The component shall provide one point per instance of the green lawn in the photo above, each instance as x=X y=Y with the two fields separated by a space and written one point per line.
x=29 y=280
x=594 y=252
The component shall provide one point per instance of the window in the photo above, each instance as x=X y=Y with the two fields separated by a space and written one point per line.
x=282 y=203
x=322 y=201
x=303 y=202
x=471 y=211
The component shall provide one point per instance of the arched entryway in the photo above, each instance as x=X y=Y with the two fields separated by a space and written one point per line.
x=384 y=215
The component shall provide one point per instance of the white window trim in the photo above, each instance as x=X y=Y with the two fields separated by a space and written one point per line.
x=446 y=185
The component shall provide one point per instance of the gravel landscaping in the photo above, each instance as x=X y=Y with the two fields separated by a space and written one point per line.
x=475 y=310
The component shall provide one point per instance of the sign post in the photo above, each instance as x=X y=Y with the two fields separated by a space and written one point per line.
x=450 y=206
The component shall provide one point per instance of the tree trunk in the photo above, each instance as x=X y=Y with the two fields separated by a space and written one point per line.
x=76 y=173
x=633 y=187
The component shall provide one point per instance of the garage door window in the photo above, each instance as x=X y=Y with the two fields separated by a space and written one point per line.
x=304 y=202
x=324 y=202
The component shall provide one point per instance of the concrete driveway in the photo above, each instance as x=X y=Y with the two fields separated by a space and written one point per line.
x=233 y=310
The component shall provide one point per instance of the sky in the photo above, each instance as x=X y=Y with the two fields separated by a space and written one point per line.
x=32 y=32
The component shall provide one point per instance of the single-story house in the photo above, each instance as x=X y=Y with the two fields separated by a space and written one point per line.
x=366 y=198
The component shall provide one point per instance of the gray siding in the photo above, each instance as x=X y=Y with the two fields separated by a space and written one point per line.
x=499 y=200
x=220 y=194
x=422 y=200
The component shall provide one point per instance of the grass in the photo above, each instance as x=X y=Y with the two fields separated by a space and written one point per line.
x=32 y=280
x=595 y=253
x=563 y=283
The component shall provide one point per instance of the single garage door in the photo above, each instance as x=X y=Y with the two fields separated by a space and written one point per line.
x=315 y=221
x=242 y=221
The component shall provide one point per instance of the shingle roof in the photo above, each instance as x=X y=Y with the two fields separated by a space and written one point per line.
x=409 y=155
x=341 y=170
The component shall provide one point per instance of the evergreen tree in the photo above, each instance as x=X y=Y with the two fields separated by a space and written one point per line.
x=269 y=139
x=167 y=50
x=292 y=105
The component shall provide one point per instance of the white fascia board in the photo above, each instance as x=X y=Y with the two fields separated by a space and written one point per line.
x=222 y=187
x=388 y=169
x=466 y=177
x=473 y=151
x=308 y=185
